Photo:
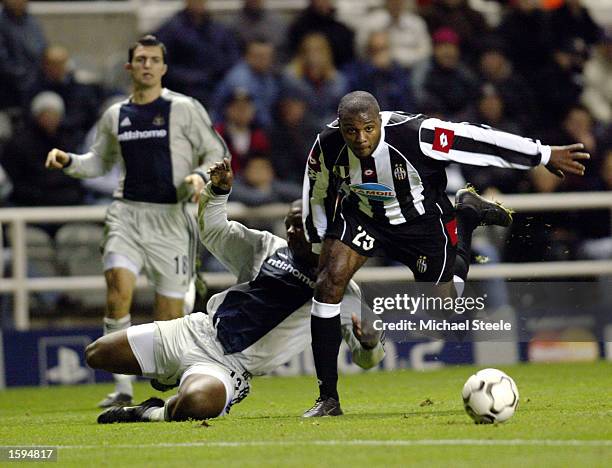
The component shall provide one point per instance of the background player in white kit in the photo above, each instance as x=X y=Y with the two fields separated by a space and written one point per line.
x=164 y=142
x=249 y=329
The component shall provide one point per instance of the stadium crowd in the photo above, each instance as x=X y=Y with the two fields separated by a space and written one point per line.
x=271 y=84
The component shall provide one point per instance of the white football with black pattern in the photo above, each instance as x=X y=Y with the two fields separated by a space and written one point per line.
x=490 y=396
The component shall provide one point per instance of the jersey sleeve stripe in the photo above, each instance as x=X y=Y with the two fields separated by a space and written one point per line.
x=473 y=159
x=313 y=194
x=468 y=145
x=503 y=149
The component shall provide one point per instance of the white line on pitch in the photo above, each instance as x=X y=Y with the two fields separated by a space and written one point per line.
x=371 y=443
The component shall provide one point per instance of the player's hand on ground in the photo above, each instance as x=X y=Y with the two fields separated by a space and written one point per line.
x=221 y=174
x=368 y=339
x=566 y=159
x=196 y=183
x=57 y=159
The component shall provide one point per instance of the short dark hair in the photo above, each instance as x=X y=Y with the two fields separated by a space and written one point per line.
x=147 y=41
x=357 y=102
x=258 y=39
x=296 y=204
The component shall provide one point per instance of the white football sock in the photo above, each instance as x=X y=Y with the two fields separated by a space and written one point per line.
x=459 y=285
x=155 y=414
x=323 y=310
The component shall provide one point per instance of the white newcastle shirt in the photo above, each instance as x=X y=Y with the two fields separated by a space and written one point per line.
x=157 y=145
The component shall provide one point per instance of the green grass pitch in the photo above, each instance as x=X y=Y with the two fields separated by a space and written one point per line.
x=397 y=418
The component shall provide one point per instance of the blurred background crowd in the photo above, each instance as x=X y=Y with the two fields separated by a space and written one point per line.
x=271 y=81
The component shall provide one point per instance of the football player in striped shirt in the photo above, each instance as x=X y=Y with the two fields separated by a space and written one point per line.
x=375 y=185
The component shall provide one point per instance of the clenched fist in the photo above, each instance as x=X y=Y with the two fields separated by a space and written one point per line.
x=57 y=159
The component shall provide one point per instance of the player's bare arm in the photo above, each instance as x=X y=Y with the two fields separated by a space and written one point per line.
x=566 y=159
x=57 y=159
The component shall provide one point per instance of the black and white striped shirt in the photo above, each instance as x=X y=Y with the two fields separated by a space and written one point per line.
x=405 y=176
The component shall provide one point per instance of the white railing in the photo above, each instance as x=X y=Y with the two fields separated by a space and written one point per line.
x=20 y=285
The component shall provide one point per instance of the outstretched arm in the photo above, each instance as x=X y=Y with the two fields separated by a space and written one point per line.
x=232 y=243
x=481 y=145
x=100 y=158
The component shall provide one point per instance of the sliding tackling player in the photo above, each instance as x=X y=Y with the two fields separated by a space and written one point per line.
x=249 y=329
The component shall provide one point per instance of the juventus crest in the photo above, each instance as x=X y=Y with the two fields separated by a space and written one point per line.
x=421 y=264
x=399 y=172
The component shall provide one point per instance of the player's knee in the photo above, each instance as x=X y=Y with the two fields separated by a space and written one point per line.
x=200 y=397
x=94 y=355
x=197 y=405
x=102 y=353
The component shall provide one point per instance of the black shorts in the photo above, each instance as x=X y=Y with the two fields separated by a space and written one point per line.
x=426 y=245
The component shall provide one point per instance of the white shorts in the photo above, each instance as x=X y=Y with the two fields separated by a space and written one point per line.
x=159 y=239
x=170 y=351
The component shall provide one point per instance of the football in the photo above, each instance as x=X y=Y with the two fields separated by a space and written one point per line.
x=490 y=396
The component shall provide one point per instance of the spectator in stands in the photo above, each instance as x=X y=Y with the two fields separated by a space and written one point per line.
x=597 y=94
x=319 y=16
x=255 y=74
x=578 y=123
x=82 y=100
x=558 y=85
x=573 y=21
x=22 y=43
x=496 y=69
x=468 y=23
x=549 y=236
x=244 y=138
x=596 y=235
x=258 y=185
x=445 y=77
x=490 y=110
x=560 y=235
x=292 y=135
x=408 y=35
x=200 y=51
x=254 y=21
x=6 y=187
x=314 y=73
x=526 y=36
x=380 y=75
x=25 y=155
x=6 y=130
